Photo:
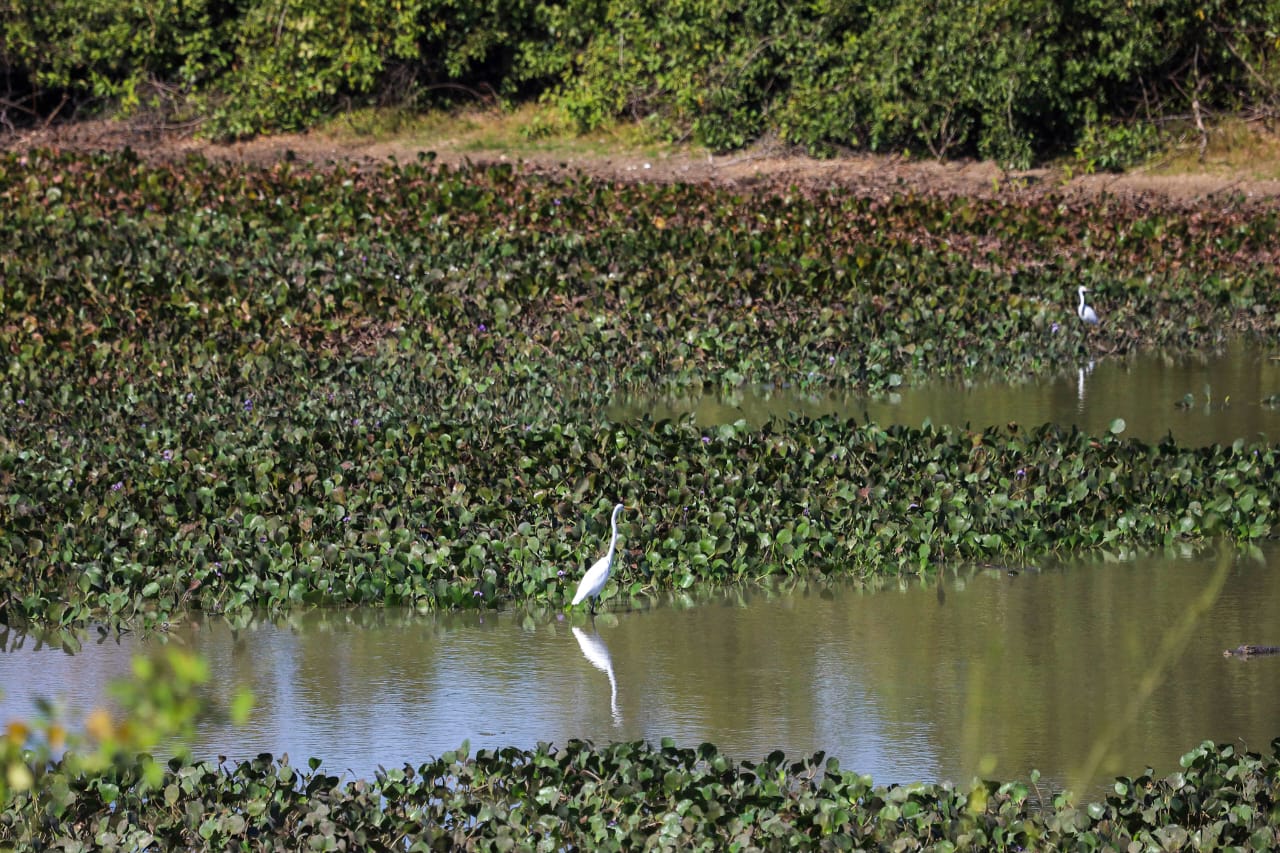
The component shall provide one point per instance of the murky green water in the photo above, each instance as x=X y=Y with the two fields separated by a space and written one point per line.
x=1148 y=391
x=991 y=674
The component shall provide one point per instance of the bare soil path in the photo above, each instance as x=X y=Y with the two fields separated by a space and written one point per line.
x=761 y=167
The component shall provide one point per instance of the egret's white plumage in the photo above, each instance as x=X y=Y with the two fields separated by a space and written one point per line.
x=1086 y=312
x=598 y=575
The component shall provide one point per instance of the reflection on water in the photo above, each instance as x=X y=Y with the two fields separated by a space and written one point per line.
x=1082 y=373
x=1200 y=400
x=978 y=672
x=594 y=649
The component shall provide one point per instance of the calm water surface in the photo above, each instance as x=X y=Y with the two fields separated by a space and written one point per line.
x=987 y=674
x=1148 y=391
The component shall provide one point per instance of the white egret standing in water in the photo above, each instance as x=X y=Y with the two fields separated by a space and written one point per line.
x=1084 y=311
x=598 y=575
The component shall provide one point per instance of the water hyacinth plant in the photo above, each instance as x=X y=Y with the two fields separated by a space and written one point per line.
x=629 y=795
x=240 y=388
x=231 y=387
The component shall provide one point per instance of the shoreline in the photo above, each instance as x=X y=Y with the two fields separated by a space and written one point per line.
x=759 y=168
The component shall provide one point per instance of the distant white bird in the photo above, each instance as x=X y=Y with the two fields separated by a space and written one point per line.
x=598 y=575
x=1086 y=312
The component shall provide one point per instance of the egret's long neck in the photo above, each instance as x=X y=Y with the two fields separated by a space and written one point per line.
x=1081 y=308
x=613 y=522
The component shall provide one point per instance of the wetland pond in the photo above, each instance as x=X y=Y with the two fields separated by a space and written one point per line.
x=1085 y=670
x=1149 y=391
x=979 y=673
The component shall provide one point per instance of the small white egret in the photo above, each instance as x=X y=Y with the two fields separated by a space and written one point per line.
x=1084 y=311
x=598 y=575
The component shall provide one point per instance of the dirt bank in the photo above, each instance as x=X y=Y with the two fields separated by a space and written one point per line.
x=763 y=166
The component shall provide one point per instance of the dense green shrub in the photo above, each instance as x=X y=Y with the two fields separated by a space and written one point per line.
x=101 y=50
x=958 y=77
x=705 y=68
x=295 y=59
x=1009 y=81
x=1013 y=81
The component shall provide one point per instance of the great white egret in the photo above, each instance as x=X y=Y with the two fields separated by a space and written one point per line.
x=598 y=575
x=1084 y=311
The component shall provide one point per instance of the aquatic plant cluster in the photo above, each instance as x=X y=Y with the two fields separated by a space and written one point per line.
x=634 y=796
x=231 y=387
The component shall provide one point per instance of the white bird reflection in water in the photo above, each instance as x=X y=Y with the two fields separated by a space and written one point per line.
x=594 y=650
x=1084 y=372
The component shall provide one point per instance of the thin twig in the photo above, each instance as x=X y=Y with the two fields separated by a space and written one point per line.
x=1195 y=106
x=49 y=120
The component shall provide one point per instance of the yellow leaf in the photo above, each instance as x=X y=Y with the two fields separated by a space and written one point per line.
x=19 y=776
x=17 y=732
x=98 y=724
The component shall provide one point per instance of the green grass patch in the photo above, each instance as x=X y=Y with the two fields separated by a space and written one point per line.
x=1233 y=147
x=529 y=128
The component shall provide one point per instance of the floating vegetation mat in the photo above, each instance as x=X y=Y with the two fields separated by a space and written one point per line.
x=230 y=387
x=636 y=796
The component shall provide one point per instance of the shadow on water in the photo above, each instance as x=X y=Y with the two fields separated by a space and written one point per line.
x=1200 y=400
x=1083 y=671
